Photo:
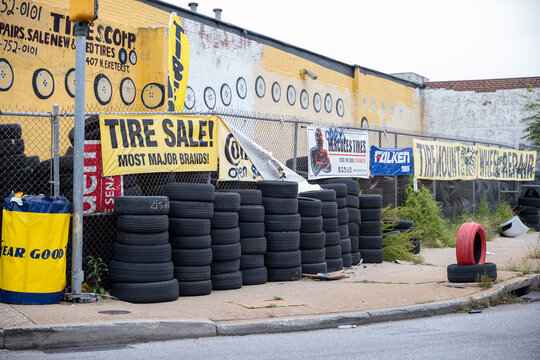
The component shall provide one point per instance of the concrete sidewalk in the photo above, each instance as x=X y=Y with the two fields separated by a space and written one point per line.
x=370 y=293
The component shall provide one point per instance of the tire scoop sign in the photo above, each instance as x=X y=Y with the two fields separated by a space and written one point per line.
x=337 y=153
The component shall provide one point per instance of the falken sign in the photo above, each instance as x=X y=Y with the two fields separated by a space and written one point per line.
x=391 y=161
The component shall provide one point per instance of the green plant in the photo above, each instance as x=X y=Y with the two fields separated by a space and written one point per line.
x=535 y=252
x=482 y=210
x=398 y=247
x=97 y=269
x=484 y=281
x=419 y=207
x=278 y=298
x=532 y=108
x=271 y=306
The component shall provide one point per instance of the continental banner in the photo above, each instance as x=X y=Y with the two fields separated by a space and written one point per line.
x=135 y=144
x=437 y=160
x=234 y=162
x=506 y=164
x=334 y=152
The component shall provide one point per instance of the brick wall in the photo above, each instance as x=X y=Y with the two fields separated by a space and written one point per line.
x=490 y=85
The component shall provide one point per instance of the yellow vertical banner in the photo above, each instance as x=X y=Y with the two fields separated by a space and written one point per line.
x=178 y=64
x=234 y=163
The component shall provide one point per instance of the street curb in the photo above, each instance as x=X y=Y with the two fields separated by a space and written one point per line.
x=125 y=332
x=97 y=334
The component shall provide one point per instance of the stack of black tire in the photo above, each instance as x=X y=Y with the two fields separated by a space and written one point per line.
x=343 y=221
x=355 y=219
x=312 y=236
x=282 y=229
x=16 y=169
x=192 y=208
x=226 y=248
x=404 y=226
x=141 y=270
x=334 y=261
x=370 y=240
x=529 y=205
x=252 y=239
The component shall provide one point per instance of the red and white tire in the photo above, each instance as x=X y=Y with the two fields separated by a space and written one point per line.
x=471 y=244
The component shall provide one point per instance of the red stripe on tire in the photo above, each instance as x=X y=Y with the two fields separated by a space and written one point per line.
x=471 y=244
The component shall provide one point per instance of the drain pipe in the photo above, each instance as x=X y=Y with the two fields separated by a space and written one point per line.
x=193 y=6
x=217 y=12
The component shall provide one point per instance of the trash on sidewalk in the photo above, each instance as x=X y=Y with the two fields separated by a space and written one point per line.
x=475 y=311
x=336 y=275
x=346 y=326
x=513 y=227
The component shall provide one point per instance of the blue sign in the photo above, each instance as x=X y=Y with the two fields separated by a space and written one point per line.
x=391 y=161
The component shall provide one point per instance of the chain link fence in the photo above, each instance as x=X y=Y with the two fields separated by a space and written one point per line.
x=27 y=165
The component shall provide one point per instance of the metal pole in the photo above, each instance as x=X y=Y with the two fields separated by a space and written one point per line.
x=395 y=176
x=56 y=151
x=474 y=193
x=77 y=275
x=435 y=183
x=295 y=150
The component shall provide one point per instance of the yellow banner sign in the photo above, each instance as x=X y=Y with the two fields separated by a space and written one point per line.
x=506 y=164
x=444 y=161
x=135 y=144
x=234 y=163
x=178 y=64
x=437 y=160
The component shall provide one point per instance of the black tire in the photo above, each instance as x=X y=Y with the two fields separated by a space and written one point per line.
x=150 y=292
x=139 y=273
x=10 y=131
x=276 y=188
x=370 y=201
x=534 y=202
x=347 y=260
x=310 y=241
x=372 y=256
x=470 y=273
x=370 y=242
x=282 y=241
x=370 y=228
x=313 y=256
x=248 y=196
x=416 y=246
x=334 y=264
x=11 y=147
x=531 y=219
x=226 y=236
x=224 y=220
x=343 y=231
x=251 y=261
x=308 y=207
x=353 y=201
x=142 y=239
x=370 y=214
x=353 y=188
x=191 y=242
x=315 y=268
x=354 y=243
x=192 y=257
x=282 y=222
x=332 y=252
x=192 y=273
x=254 y=276
x=32 y=161
x=340 y=189
x=227 y=201
x=311 y=224
x=288 y=274
x=332 y=238
x=251 y=213
x=189 y=227
x=195 y=288
x=280 y=206
x=528 y=210
x=143 y=224
x=283 y=259
x=226 y=252
x=354 y=229
x=142 y=254
x=227 y=281
x=228 y=266
x=253 y=245
x=141 y=205
x=329 y=209
x=191 y=209
x=323 y=195
x=330 y=224
x=404 y=224
x=343 y=216
x=189 y=192
x=345 y=245
x=341 y=202
x=356 y=257
x=251 y=229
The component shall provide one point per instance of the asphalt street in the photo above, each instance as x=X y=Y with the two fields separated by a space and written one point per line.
x=503 y=332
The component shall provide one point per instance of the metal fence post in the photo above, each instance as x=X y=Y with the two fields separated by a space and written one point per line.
x=395 y=176
x=55 y=151
x=435 y=183
x=295 y=149
x=77 y=275
x=474 y=193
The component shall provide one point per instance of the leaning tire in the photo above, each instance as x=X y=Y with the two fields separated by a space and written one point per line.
x=471 y=244
x=471 y=273
x=150 y=292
